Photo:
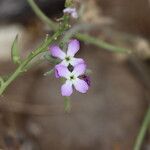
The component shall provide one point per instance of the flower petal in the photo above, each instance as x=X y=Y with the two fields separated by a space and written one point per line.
x=81 y=86
x=62 y=71
x=87 y=79
x=76 y=61
x=57 y=52
x=73 y=47
x=79 y=69
x=74 y=15
x=56 y=73
x=66 y=89
x=69 y=10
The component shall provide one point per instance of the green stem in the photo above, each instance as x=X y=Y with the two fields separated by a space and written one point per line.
x=19 y=70
x=42 y=16
x=23 y=66
x=99 y=43
x=83 y=37
x=67 y=104
x=142 y=132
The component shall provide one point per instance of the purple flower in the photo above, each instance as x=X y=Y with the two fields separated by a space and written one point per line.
x=67 y=58
x=71 y=11
x=72 y=79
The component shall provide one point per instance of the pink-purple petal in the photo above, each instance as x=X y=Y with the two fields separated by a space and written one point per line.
x=57 y=52
x=66 y=89
x=81 y=86
x=79 y=69
x=56 y=73
x=62 y=71
x=76 y=61
x=73 y=47
x=87 y=79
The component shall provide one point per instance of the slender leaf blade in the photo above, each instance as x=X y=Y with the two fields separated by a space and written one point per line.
x=15 y=55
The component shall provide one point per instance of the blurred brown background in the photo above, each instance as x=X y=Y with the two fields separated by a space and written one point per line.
x=109 y=116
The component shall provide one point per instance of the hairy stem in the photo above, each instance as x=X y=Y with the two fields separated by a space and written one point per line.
x=83 y=37
x=23 y=66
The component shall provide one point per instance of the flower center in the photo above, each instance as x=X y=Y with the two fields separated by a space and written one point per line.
x=72 y=77
x=67 y=59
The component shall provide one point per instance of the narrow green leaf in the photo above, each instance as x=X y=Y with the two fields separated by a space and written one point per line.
x=47 y=56
x=15 y=55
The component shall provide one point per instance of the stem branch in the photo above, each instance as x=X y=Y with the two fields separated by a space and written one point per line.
x=99 y=43
x=42 y=16
x=142 y=132
x=23 y=66
x=83 y=37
